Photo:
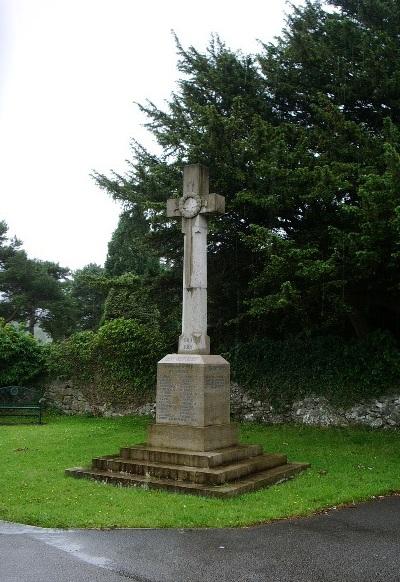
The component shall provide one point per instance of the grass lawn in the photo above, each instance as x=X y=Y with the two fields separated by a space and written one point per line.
x=348 y=465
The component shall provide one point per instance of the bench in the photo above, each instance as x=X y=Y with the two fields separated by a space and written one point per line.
x=21 y=401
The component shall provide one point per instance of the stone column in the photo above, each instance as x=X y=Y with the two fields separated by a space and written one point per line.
x=193 y=387
x=194 y=338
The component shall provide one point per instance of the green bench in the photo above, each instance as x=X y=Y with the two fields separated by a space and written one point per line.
x=20 y=401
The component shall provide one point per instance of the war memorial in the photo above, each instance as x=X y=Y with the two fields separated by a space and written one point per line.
x=193 y=447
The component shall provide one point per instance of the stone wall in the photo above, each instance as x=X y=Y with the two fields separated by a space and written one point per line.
x=64 y=397
x=317 y=411
x=379 y=413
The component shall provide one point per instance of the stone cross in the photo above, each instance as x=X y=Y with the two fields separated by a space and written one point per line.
x=194 y=207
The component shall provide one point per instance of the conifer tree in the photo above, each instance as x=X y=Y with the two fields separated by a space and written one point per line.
x=303 y=141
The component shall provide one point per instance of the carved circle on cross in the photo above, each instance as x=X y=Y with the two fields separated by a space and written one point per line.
x=190 y=205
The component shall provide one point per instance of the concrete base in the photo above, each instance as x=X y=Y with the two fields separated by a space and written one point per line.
x=245 y=485
x=194 y=438
x=220 y=473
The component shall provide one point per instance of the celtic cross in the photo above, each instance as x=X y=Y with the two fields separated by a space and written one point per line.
x=194 y=207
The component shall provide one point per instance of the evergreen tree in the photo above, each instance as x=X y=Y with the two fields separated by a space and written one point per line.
x=88 y=294
x=31 y=291
x=334 y=80
x=304 y=144
x=127 y=250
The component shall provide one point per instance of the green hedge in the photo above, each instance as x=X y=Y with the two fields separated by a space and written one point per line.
x=116 y=364
x=22 y=358
x=344 y=371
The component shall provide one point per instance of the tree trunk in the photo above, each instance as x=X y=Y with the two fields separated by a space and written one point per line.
x=31 y=322
x=11 y=317
x=359 y=323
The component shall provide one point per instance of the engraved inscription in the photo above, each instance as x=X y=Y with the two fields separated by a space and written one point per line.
x=187 y=344
x=176 y=398
x=216 y=379
x=216 y=393
x=187 y=358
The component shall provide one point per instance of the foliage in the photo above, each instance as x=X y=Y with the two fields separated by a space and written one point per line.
x=331 y=251
x=127 y=250
x=7 y=247
x=33 y=291
x=346 y=467
x=88 y=293
x=344 y=372
x=303 y=141
x=129 y=298
x=22 y=358
x=115 y=364
x=142 y=299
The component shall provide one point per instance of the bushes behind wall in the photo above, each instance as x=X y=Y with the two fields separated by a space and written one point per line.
x=117 y=364
x=22 y=357
x=345 y=372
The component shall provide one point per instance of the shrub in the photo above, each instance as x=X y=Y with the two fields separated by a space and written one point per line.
x=344 y=372
x=22 y=357
x=116 y=364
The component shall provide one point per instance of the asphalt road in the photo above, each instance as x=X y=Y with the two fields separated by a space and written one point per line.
x=356 y=544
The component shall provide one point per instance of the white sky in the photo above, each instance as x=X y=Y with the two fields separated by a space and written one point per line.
x=70 y=71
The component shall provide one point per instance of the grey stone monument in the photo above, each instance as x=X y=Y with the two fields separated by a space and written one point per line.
x=193 y=447
x=193 y=386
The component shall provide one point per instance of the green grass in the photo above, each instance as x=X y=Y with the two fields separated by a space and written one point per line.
x=348 y=465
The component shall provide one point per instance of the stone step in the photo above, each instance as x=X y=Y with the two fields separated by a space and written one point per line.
x=200 y=475
x=243 y=485
x=143 y=452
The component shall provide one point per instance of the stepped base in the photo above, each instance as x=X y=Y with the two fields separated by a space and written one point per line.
x=220 y=473
x=220 y=456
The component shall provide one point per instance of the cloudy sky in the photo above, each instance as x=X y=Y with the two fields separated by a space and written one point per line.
x=70 y=72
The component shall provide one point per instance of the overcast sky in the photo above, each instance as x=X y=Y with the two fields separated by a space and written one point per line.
x=70 y=71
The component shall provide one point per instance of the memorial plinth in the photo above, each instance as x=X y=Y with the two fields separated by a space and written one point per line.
x=193 y=447
x=193 y=404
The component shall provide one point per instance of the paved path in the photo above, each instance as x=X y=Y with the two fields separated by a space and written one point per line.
x=357 y=544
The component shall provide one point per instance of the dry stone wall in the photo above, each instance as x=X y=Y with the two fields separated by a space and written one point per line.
x=316 y=411
x=64 y=397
